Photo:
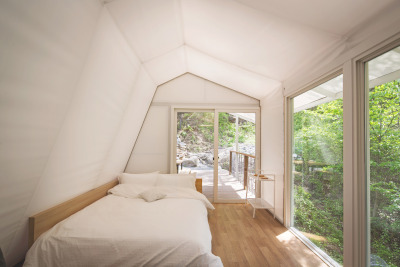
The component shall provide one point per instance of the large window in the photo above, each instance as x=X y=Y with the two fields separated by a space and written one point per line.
x=343 y=162
x=383 y=158
x=317 y=168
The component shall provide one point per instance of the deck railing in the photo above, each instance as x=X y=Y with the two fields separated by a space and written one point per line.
x=240 y=164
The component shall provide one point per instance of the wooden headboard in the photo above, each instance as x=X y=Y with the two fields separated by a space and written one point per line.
x=43 y=221
x=199 y=185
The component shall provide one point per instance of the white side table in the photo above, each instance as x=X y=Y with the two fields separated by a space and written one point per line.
x=260 y=203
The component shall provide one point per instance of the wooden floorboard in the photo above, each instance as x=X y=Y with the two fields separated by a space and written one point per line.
x=240 y=240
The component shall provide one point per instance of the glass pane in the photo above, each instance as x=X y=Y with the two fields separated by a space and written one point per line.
x=236 y=153
x=317 y=182
x=195 y=147
x=384 y=158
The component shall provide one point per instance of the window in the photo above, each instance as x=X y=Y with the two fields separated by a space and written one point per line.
x=317 y=169
x=383 y=158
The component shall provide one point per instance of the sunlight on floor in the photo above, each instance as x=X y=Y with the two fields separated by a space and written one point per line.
x=285 y=237
x=293 y=244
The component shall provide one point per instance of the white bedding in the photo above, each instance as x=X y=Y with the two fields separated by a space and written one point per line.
x=121 y=231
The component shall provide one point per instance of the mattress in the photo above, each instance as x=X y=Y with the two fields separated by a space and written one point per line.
x=119 y=230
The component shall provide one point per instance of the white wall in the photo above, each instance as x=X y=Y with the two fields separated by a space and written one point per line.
x=92 y=122
x=128 y=132
x=151 y=151
x=152 y=148
x=77 y=122
x=42 y=52
x=272 y=147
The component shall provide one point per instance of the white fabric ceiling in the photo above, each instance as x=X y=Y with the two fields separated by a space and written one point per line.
x=338 y=17
x=249 y=45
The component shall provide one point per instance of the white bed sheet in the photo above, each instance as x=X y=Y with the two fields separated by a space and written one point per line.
x=120 y=231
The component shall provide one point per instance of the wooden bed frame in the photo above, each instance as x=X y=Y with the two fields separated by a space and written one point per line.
x=43 y=221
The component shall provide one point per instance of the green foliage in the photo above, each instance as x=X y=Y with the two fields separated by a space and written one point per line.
x=384 y=114
x=318 y=179
x=196 y=129
x=318 y=182
x=227 y=130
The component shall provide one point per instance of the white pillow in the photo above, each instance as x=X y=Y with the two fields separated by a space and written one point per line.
x=128 y=190
x=152 y=194
x=148 y=179
x=177 y=180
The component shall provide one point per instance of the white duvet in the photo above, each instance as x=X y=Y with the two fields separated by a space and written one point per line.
x=123 y=230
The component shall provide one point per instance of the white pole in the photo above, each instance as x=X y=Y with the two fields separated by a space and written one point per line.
x=237 y=147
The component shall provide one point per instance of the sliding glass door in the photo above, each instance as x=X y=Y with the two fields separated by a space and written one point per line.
x=317 y=168
x=219 y=147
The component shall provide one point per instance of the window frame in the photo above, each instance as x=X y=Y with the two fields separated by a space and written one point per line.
x=288 y=194
x=355 y=136
x=363 y=201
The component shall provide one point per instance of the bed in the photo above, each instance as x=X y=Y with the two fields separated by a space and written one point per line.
x=148 y=222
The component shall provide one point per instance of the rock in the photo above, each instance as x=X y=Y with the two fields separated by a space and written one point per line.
x=206 y=158
x=224 y=162
x=190 y=162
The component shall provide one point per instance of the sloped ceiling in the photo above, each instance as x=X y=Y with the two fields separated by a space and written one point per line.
x=249 y=45
x=339 y=17
x=76 y=78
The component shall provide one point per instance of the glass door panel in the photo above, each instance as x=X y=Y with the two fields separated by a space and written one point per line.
x=317 y=168
x=195 y=147
x=383 y=158
x=236 y=153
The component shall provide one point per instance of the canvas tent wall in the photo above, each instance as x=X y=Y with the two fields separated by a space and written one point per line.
x=64 y=104
x=77 y=78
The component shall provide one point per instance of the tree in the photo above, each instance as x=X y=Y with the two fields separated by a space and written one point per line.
x=318 y=183
x=384 y=131
x=318 y=180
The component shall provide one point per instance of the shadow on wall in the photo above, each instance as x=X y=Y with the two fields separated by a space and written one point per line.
x=2 y=260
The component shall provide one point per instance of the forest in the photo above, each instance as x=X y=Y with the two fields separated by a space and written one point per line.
x=318 y=175
x=196 y=130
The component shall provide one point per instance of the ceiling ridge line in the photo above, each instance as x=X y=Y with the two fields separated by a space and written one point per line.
x=142 y=64
x=129 y=45
x=122 y=33
x=233 y=64
x=182 y=24
x=181 y=21
x=164 y=54
x=123 y=38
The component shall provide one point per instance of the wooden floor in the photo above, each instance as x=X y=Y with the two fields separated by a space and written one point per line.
x=240 y=240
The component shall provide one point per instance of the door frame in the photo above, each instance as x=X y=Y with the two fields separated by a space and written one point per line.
x=216 y=111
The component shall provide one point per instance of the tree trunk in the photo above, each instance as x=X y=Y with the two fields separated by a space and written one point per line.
x=375 y=207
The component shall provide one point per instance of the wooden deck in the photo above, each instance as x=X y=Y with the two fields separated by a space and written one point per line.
x=240 y=240
x=228 y=186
